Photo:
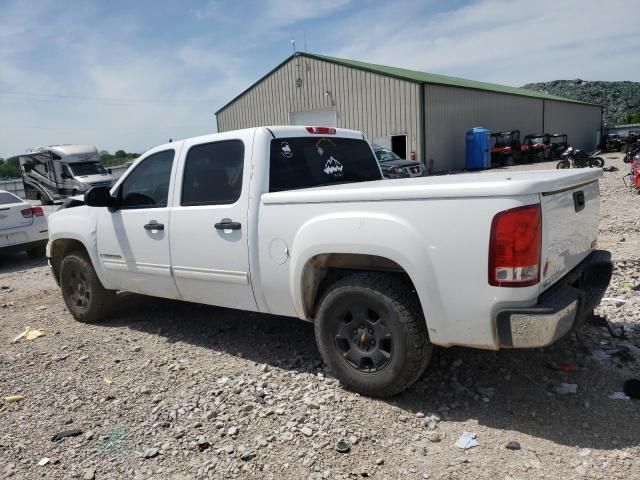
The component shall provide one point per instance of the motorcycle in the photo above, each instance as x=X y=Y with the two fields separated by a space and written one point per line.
x=632 y=151
x=634 y=174
x=576 y=158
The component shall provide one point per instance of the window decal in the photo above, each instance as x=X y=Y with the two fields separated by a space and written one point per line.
x=285 y=150
x=333 y=167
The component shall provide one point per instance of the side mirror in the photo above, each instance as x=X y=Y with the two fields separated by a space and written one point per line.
x=99 y=197
x=109 y=170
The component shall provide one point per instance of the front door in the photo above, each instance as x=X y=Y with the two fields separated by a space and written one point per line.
x=133 y=241
x=209 y=227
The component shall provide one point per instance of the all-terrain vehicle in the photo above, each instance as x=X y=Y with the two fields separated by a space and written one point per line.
x=612 y=142
x=559 y=144
x=506 y=148
x=536 y=147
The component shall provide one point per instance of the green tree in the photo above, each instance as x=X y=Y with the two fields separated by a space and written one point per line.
x=121 y=154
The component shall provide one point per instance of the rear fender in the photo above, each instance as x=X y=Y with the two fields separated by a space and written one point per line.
x=368 y=233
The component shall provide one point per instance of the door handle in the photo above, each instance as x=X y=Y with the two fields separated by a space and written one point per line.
x=228 y=225
x=154 y=226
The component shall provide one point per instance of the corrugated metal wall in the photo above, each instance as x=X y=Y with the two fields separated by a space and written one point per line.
x=451 y=111
x=580 y=122
x=375 y=104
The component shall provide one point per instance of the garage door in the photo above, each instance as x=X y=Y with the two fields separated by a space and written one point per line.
x=316 y=118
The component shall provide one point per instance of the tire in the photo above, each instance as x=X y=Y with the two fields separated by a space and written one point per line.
x=597 y=162
x=37 y=252
x=509 y=161
x=371 y=332
x=85 y=297
x=563 y=164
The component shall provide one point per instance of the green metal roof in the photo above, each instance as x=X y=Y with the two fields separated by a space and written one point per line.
x=415 y=76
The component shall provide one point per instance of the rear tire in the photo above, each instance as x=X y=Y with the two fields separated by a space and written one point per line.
x=85 y=297
x=563 y=164
x=371 y=332
x=37 y=252
x=597 y=162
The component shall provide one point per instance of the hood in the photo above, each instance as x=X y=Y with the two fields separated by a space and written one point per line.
x=100 y=178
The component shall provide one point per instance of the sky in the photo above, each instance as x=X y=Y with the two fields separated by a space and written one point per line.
x=130 y=75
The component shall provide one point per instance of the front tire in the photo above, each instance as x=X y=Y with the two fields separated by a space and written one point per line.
x=563 y=164
x=85 y=297
x=371 y=332
x=597 y=162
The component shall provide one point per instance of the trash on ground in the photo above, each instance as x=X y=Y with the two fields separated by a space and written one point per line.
x=632 y=388
x=108 y=379
x=342 y=446
x=29 y=334
x=13 y=398
x=61 y=356
x=613 y=299
x=609 y=168
x=467 y=440
x=67 y=433
x=566 y=389
x=513 y=446
x=564 y=366
x=627 y=285
x=619 y=396
x=44 y=461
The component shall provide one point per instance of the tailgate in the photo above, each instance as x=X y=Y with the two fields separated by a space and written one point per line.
x=569 y=229
x=11 y=216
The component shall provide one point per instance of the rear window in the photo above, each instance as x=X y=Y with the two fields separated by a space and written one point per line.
x=303 y=162
x=6 y=198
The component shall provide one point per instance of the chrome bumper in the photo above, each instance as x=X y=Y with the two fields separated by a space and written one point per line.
x=564 y=306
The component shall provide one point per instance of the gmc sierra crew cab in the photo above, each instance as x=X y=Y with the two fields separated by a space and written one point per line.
x=297 y=221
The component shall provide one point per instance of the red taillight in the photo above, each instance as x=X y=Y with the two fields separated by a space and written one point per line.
x=321 y=130
x=514 y=247
x=32 y=212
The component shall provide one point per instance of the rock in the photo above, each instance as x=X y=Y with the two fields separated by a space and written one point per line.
x=566 y=389
x=247 y=455
x=233 y=431
x=89 y=473
x=203 y=442
x=136 y=348
x=307 y=432
x=379 y=461
x=513 y=446
x=43 y=461
x=435 y=437
x=151 y=453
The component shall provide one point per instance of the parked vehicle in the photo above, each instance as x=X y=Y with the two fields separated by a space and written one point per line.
x=558 y=143
x=612 y=142
x=536 y=147
x=506 y=148
x=632 y=151
x=393 y=166
x=576 y=158
x=297 y=221
x=23 y=228
x=53 y=173
x=634 y=173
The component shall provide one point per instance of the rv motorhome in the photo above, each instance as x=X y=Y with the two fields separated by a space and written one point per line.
x=59 y=171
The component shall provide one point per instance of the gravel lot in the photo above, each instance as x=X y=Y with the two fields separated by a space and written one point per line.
x=169 y=390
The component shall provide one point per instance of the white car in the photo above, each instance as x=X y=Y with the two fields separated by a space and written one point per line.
x=298 y=222
x=22 y=226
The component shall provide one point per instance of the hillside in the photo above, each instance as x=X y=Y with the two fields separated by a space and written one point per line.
x=619 y=99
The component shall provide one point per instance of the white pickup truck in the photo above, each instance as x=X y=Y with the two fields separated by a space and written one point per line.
x=297 y=221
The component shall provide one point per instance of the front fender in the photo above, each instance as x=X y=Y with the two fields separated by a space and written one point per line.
x=368 y=233
x=80 y=224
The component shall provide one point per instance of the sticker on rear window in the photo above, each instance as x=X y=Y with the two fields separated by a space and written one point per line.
x=285 y=150
x=333 y=167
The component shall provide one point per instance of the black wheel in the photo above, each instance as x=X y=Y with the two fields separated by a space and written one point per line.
x=597 y=162
x=563 y=164
x=371 y=332
x=85 y=297
x=37 y=252
x=509 y=161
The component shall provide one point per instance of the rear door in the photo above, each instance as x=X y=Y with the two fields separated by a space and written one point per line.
x=569 y=229
x=209 y=222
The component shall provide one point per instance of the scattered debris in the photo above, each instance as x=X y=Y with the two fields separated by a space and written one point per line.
x=67 y=433
x=632 y=388
x=89 y=474
x=342 y=446
x=630 y=285
x=203 y=442
x=610 y=168
x=29 y=334
x=247 y=455
x=379 y=461
x=513 y=446
x=564 y=366
x=108 y=379
x=151 y=453
x=43 y=461
x=13 y=398
x=436 y=437
x=467 y=440
x=566 y=389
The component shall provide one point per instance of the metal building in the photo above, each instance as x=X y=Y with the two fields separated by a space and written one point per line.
x=417 y=114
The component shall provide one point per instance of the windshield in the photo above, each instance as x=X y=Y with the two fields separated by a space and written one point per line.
x=385 y=155
x=303 y=162
x=87 y=168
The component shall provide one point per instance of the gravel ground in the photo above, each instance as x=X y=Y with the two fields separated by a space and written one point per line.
x=169 y=390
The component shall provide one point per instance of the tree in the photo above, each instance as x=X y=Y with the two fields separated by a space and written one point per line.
x=121 y=154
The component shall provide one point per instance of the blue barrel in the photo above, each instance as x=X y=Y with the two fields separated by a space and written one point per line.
x=478 y=151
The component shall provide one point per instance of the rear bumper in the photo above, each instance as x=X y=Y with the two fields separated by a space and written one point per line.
x=564 y=306
x=23 y=247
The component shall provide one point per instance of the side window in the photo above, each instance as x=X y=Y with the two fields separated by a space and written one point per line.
x=213 y=173
x=147 y=186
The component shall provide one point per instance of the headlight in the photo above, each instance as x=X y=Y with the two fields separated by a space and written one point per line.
x=397 y=170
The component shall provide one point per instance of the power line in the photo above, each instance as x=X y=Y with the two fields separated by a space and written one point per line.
x=99 y=99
